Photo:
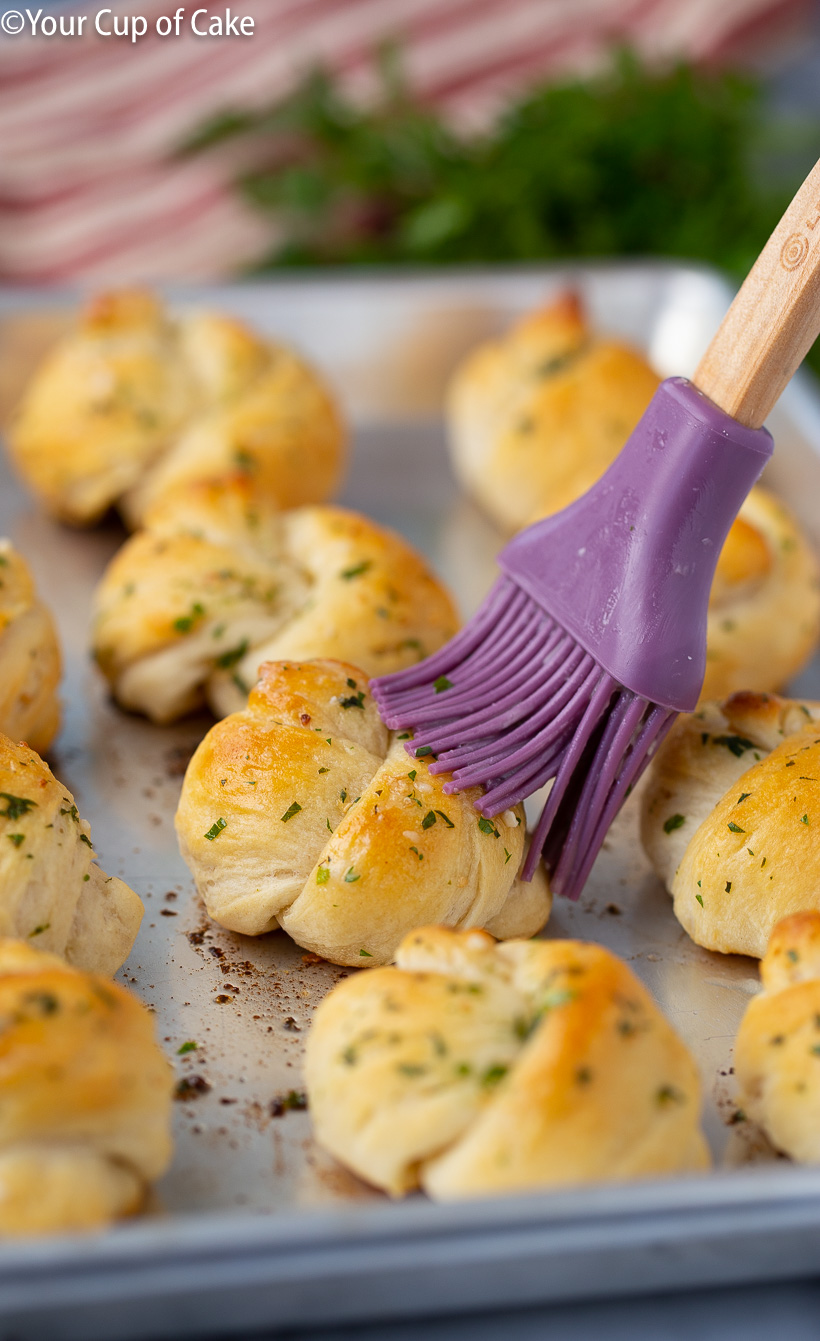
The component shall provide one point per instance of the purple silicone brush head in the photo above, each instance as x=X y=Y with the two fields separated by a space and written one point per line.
x=594 y=639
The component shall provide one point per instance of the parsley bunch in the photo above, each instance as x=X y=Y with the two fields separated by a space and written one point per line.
x=630 y=162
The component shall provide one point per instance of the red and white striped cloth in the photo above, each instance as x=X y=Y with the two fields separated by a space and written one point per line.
x=90 y=190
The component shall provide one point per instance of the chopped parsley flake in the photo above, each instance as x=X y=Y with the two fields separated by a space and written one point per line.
x=350 y=875
x=735 y=828
x=507 y=856
x=805 y=819
x=412 y=775
x=441 y=684
x=728 y=886
x=742 y=797
x=403 y=735
x=216 y=829
x=38 y=931
x=667 y=1094
x=85 y=839
x=737 y=745
x=699 y=898
x=446 y=818
x=324 y=770
x=353 y=700
x=293 y=809
x=487 y=826
x=494 y=1074
x=16 y=806
x=422 y=751
x=16 y=838
x=190 y=1046
x=323 y=875
x=429 y=820
x=357 y=570
x=365 y=954
x=186 y=622
x=231 y=657
x=674 y=822
x=420 y=855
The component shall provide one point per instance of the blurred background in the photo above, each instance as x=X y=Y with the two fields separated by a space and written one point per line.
x=403 y=131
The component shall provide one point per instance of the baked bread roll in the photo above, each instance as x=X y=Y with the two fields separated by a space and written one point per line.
x=85 y=1097
x=29 y=656
x=731 y=818
x=132 y=403
x=535 y=417
x=473 y=1068
x=217 y=583
x=764 y=609
x=52 y=892
x=303 y=811
x=778 y=1043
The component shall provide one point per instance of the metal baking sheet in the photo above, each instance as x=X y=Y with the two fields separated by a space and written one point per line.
x=254 y=1226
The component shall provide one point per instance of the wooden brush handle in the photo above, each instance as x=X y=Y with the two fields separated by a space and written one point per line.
x=773 y=321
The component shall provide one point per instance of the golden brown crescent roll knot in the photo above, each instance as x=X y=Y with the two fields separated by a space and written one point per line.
x=218 y=582
x=473 y=1068
x=29 y=656
x=764 y=610
x=731 y=818
x=133 y=403
x=85 y=1097
x=52 y=892
x=777 y=1053
x=536 y=416
x=302 y=811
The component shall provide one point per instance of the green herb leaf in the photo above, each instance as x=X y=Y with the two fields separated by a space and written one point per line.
x=363 y=567
x=16 y=838
x=190 y=1046
x=365 y=954
x=231 y=657
x=429 y=820
x=674 y=822
x=323 y=875
x=735 y=828
x=487 y=826
x=17 y=806
x=351 y=876
x=216 y=829
x=441 y=684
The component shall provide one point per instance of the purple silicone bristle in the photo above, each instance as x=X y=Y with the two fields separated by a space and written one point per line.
x=592 y=641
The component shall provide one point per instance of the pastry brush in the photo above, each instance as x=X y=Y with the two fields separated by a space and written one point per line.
x=593 y=638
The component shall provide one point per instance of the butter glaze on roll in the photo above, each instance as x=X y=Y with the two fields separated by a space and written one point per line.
x=30 y=661
x=52 y=892
x=303 y=811
x=731 y=818
x=133 y=403
x=85 y=1097
x=777 y=1053
x=217 y=583
x=475 y=1069
x=536 y=416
